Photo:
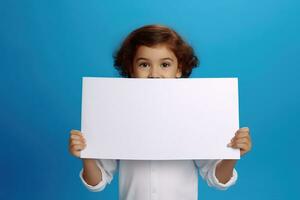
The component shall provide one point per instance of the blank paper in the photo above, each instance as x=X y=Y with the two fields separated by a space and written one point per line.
x=159 y=119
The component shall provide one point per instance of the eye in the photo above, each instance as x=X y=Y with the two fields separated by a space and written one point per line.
x=165 y=65
x=143 y=65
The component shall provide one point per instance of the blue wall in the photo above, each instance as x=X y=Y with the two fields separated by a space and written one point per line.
x=47 y=46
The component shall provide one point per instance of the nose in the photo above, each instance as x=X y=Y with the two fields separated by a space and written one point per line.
x=153 y=73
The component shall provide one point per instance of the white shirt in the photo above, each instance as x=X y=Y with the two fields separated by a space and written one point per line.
x=159 y=179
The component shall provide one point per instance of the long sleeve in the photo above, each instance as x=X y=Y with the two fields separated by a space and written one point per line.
x=108 y=168
x=207 y=169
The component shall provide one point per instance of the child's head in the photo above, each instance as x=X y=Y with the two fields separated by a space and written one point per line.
x=155 y=51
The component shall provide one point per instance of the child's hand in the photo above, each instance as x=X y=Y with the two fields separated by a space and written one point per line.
x=241 y=141
x=76 y=143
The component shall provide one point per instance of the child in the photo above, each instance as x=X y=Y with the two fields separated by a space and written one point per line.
x=156 y=51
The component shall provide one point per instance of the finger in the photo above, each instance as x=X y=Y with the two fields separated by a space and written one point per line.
x=77 y=137
x=244 y=129
x=242 y=146
x=234 y=139
x=75 y=132
x=75 y=153
x=241 y=134
x=241 y=140
x=75 y=142
x=78 y=147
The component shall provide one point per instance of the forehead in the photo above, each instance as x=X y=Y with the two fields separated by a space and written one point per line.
x=155 y=52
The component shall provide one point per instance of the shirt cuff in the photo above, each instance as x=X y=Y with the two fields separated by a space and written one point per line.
x=217 y=183
x=96 y=188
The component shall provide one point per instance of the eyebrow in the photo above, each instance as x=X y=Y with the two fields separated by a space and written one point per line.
x=167 y=59
x=141 y=58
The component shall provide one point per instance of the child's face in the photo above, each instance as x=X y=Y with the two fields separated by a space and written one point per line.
x=155 y=62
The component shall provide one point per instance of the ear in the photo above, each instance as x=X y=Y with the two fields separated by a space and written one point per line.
x=178 y=73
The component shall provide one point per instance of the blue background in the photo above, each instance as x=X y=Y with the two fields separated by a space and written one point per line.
x=47 y=46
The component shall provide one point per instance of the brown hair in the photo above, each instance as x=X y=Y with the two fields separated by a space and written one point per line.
x=150 y=36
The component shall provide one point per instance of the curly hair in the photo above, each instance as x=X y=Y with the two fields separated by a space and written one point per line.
x=152 y=35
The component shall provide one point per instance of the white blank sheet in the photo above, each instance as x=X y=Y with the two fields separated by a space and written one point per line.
x=159 y=119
